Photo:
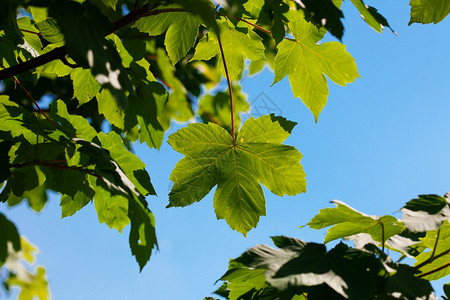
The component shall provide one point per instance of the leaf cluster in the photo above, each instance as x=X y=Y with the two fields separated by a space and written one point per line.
x=300 y=270
x=80 y=81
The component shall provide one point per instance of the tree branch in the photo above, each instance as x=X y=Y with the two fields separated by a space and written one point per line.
x=61 y=52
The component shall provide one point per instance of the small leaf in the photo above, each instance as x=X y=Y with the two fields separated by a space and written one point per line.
x=428 y=11
x=242 y=281
x=181 y=27
x=9 y=235
x=427 y=212
x=348 y=221
x=85 y=87
x=236 y=46
x=142 y=234
x=216 y=108
x=307 y=62
x=324 y=13
x=436 y=262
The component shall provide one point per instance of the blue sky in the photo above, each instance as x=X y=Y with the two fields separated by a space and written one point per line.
x=379 y=142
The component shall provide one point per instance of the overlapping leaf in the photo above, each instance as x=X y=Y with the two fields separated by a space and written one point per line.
x=9 y=236
x=427 y=212
x=347 y=221
x=324 y=13
x=300 y=270
x=237 y=169
x=307 y=267
x=306 y=63
x=428 y=11
x=371 y=16
x=81 y=165
x=216 y=108
x=84 y=27
x=236 y=46
x=181 y=27
x=435 y=263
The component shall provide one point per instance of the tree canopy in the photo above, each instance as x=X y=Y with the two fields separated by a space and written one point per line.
x=117 y=72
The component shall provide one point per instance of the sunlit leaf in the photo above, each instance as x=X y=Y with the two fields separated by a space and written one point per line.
x=428 y=11
x=306 y=62
x=347 y=221
x=237 y=169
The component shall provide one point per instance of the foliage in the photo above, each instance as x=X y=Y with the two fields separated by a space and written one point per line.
x=364 y=271
x=19 y=250
x=120 y=71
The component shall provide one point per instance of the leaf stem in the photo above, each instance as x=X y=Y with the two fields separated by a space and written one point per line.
x=260 y=28
x=429 y=260
x=233 y=133
x=32 y=32
x=33 y=100
x=436 y=243
x=434 y=270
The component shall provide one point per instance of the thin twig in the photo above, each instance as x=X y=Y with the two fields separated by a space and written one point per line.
x=61 y=52
x=230 y=89
x=434 y=270
x=29 y=31
x=32 y=99
x=382 y=237
x=34 y=102
x=260 y=28
x=431 y=259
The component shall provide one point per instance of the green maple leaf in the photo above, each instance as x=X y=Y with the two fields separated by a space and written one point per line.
x=236 y=46
x=428 y=11
x=257 y=156
x=347 y=221
x=181 y=27
x=306 y=62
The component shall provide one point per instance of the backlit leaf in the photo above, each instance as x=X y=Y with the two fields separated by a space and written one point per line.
x=306 y=63
x=347 y=221
x=237 y=169
x=236 y=45
x=428 y=11
x=181 y=27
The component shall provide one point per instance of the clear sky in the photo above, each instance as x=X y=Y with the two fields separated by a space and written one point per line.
x=379 y=142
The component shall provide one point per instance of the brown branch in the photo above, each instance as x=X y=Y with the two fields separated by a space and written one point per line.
x=29 y=31
x=230 y=89
x=434 y=270
x=56 y=53
x=61 y=52
x=429 y=260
